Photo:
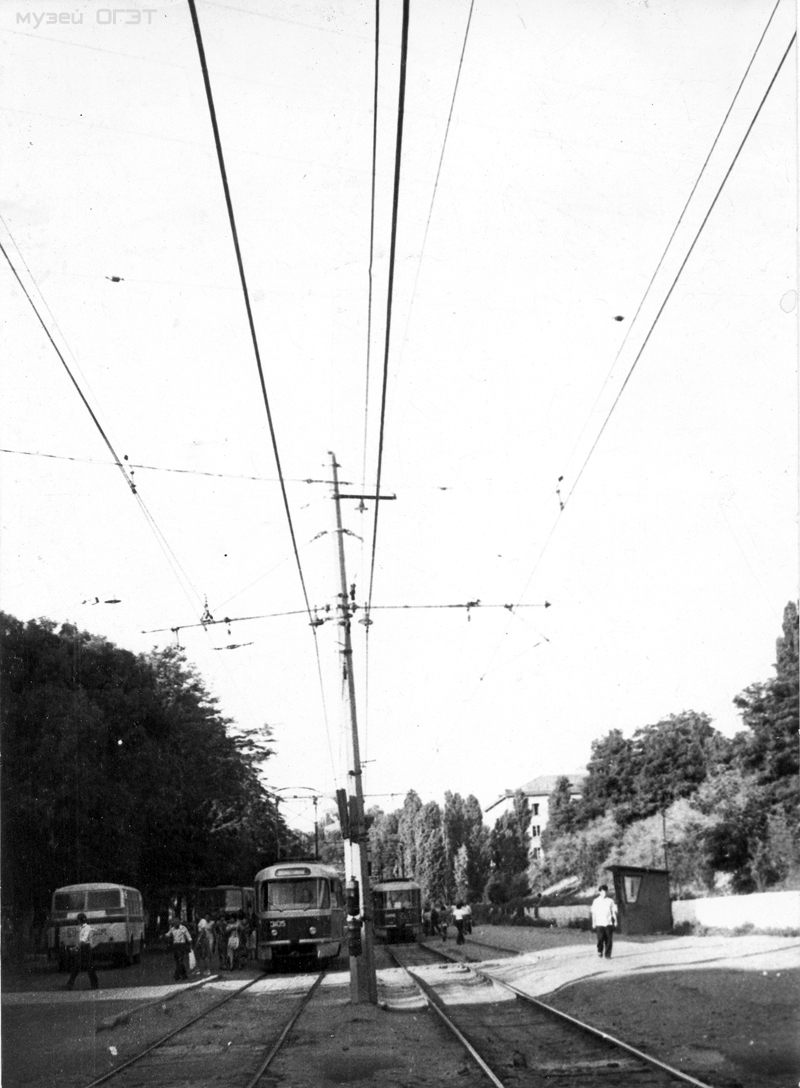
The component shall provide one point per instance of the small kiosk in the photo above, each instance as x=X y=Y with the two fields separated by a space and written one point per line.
x=642 y=898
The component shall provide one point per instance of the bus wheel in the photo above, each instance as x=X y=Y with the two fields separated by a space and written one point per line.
x=137 y=956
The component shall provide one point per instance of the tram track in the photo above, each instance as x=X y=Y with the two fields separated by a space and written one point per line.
x=207 y=1058
x=519 y=1041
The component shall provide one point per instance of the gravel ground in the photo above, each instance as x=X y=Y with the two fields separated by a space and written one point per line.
x=724 y=1009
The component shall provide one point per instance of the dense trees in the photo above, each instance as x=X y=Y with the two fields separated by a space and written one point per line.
x=444 y=849
x=120 y=767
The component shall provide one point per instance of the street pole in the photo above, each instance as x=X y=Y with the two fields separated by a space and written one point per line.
x=363 y=981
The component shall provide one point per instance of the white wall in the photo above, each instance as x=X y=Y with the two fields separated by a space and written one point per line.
x=764 y=910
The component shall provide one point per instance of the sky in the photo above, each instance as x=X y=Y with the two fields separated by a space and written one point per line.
x=569 y=419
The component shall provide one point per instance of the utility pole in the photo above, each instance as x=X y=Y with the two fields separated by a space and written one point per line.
x=363 y=981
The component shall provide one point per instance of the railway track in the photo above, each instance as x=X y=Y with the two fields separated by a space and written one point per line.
x=224 y=1042
x=519 y=1041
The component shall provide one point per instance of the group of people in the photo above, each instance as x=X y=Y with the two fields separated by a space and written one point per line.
x=435 y=920
x=229 y=941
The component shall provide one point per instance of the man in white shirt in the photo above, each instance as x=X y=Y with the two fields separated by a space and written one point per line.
x=83 y=956
x=604 y=918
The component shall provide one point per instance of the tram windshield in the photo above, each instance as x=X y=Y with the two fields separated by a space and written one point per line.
x=295 y=895
x=399 y=898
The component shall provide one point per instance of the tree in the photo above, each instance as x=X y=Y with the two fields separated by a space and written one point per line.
x=610 y=779
x=561 y=808
x=407 y=832
x=770 y=711
x=431 y=867
x=509 y=844
x=672 y=758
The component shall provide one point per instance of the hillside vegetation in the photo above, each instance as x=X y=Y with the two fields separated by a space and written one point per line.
x=723 y=813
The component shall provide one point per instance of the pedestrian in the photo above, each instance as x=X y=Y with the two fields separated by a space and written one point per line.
x=444 y=918
x=233 y=945
x=83 y=955
x=604 y=918
x=458 y=919
x=221 y=939
x=204 y=946
x=426 y=921
x=467 y=918
x=180 y=939
x=434 y=921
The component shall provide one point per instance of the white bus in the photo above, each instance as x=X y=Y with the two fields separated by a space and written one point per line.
x=114 y=912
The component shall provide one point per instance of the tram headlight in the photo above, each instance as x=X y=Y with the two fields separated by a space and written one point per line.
x=312 y=930
x=274 y=933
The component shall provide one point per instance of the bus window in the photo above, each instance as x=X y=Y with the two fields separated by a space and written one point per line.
x=70 y=901
x=104 y=899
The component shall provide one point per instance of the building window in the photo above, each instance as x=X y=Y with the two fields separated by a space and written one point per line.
x=536 y=852
x=631 y=885
x=535 y=808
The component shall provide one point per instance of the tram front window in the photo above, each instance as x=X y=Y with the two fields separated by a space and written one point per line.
x=296 y=895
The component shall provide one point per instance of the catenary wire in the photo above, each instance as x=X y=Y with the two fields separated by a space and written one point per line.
x=167 y=468
x=557 y=520
x=674 y=232
x=370 y=273
x=240 y=264
x=170 y=555
x=246 y=294
x=689 y=252
x=392 y=255
x=87 y=406
x=439 y=167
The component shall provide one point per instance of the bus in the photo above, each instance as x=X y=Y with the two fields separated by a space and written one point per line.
x=114 y=912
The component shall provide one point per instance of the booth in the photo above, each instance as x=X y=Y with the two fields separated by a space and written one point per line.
x=642 y=898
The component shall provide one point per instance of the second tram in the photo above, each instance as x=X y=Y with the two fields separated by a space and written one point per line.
x=397 y=910
x=300 y=911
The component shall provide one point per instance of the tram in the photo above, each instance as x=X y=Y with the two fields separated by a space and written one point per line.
x=300 y=911
x=229 y=900
x=397 y=910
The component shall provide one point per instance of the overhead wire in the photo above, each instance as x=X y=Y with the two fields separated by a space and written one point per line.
x=668 y=295
x=370 y=271
x=689 y=252
x=243 y=279
x=161 y=539
x=674 y=232
x=390 y=288
x=246 y=294
x=168 y=468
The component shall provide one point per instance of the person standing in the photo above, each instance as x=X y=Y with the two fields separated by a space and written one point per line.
x=444 y=920
x=221 y=939
x=204 y=946
x=458 y=919
x=604 y=918
x=467 y=909
x=83 y=957
x=434 y=921
x=181 y=940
